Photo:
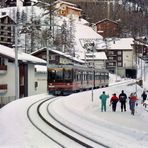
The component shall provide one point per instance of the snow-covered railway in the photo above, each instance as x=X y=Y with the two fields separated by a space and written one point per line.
x=37 y=122
x=79 y=139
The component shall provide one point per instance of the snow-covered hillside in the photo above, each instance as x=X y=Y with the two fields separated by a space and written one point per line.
x=82 y=32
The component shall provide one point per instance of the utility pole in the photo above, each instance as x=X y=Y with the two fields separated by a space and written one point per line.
x=16 y=58
x=50 y=28
x=93 y=67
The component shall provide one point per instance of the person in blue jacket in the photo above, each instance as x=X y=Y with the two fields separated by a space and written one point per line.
x=103 y=97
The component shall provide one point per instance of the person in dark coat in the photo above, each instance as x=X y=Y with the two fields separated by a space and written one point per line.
x=103 y=97
x=144 y=96
x=132 y=102
x=122 y=99
x=113 y=101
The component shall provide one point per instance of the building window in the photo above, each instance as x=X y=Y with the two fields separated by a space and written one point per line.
x=2 y=61
x=119 y=64
x=111 y=52
x=110 y=58
x=119 y=58
x=111 y=64
x=52 y=57
x=119 y=52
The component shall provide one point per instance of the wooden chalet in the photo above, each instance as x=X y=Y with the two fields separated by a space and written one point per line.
x=6 y=30
x=107 y=28
x=57 y=57
x=68 y=9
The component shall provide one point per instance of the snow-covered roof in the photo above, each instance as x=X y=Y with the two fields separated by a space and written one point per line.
x=106 y=19
x=6 y=15
x=67 y=3
x=41 y=69
x=60 y=53
x=86 y=32
x=65 y=55
x=71 y=7
x=1 y=16
x=121 y=43
x=10 y=52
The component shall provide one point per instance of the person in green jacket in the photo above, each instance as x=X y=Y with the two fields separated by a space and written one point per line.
x=103 y=97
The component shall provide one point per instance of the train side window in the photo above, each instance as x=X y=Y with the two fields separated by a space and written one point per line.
x=74 y=75
x=87 y=77
x=67 y=74
x=78 y=77
x=102 y=76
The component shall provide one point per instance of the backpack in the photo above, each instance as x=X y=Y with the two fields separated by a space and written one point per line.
x=122 y=98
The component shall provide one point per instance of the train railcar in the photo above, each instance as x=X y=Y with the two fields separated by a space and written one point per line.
x=67 y=79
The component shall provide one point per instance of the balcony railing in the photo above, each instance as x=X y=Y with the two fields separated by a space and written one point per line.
x=3 y=68
x=6 y=100
x=3 y=88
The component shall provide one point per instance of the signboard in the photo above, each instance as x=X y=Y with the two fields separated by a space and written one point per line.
x=64 y=61
x=89 y=43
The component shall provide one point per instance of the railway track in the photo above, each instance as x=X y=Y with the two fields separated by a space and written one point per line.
x=61 y=135
x=65 y=130
x=34 y=123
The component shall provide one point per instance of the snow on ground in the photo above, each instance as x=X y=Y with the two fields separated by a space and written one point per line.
x=82 y=112
x=116 y=129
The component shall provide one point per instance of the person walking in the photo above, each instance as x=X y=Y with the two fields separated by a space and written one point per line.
x=113 y=101
x=122 y=99
x=103 y=97
x=144 y=96
x=132 y=102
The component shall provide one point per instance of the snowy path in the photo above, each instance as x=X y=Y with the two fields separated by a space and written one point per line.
x=114 y=129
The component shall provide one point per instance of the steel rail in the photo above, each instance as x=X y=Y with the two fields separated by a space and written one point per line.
x=39 y=129
x=59 y=130
x=99 y=143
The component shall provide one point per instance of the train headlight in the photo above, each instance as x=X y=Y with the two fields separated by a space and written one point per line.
x=68 y=83
x=50 y=83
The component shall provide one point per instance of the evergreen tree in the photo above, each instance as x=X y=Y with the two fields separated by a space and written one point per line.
x=71 y=39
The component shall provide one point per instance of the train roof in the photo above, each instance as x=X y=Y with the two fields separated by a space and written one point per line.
x=82 y=67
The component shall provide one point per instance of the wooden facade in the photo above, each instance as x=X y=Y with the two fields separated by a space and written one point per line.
x=57 y=57
x=107 y=28
x=10 y=3
x=115 y=58
x=6 y=31
x=141 y=47
x=68 y=9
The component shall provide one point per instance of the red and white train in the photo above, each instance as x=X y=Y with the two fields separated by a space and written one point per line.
x=67 y=79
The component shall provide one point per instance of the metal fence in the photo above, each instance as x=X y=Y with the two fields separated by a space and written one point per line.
x=6 y=100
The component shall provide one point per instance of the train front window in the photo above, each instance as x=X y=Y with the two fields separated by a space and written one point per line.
x=51 y=74
x=59 y=75
x=55 y=75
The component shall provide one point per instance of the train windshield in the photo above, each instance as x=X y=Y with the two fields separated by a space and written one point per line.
x=55 y=75
x=60 y=75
